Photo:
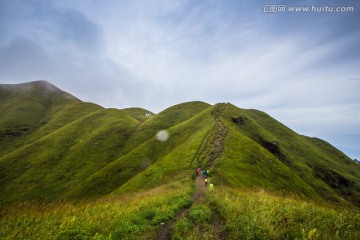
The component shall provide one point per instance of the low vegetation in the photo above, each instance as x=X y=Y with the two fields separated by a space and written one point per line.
x=227 y=213
x=134 y=216
x=262 y=215
x=241 y=215
x=196 y=225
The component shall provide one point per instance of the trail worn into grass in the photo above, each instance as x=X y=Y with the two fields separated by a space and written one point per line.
x=220 y=134
x=165 y=230
x=200 y=190
x=213 y=148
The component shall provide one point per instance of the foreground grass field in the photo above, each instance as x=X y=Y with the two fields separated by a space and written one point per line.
x=134 y=216
x=224 y=213
x=232 y=214
x=261 y=215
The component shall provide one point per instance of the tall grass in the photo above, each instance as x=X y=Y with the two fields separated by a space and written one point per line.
x=260 y=215
x=195 y=225
x=263 y=215
x=135 y=216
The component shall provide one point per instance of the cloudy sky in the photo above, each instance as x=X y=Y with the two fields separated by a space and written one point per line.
x=301 y=68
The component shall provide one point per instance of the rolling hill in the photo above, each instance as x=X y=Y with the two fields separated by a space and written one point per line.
x=54 y=147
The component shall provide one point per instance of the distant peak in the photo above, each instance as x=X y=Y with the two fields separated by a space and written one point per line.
x=39 y=86
x=46 y=85
x=28 y=85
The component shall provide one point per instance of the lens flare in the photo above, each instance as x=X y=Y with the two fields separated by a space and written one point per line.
x=162 y=135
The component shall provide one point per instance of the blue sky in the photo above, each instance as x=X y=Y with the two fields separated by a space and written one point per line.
x=301 y=68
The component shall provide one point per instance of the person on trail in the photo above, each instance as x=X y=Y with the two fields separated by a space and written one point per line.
x=206 y=181
x=207 y=172
x=198 y=170
x=211 y=186
x=204 y=174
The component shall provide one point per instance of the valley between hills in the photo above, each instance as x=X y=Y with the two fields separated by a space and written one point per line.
x=75 y=170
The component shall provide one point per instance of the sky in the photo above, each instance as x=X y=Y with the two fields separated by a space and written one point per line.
x=302 y=68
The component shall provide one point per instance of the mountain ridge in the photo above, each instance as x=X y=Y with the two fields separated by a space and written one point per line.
x=76 y=150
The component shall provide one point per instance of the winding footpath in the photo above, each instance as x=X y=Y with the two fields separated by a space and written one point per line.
x=211 y=148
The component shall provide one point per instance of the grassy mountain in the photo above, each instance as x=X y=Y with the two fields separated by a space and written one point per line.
x=29 y=104
x=92 y=151
x=89 y=150
x=268 y=152
x=56 y=147
x=150 y=162
x=26 y=107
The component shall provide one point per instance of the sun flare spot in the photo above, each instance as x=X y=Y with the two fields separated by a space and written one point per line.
x=162 y=135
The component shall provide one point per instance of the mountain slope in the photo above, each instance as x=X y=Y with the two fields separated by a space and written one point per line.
x=25 y=107
x=149 y=152
x=29 y=103
x=164 y=120
x=55 y=163
x=76 y=150
x=75 y=142
x=266 y=149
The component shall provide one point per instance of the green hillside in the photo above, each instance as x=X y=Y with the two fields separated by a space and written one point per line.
x=146 y=151
x=70 y=153
x=56 y=149
x=25 y=107
x=78 y=150
x=164 y=120
x=268 y=152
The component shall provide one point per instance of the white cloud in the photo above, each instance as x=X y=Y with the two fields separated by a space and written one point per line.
x=154 y=54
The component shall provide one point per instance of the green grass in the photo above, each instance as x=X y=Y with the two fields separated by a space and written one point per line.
x=305 y=166
x=26 y=104
x=243 y=215
x=64 y=158
x=248 y=165
x=24 y=108
x=196 y=225
x=166 y=119
x=83 y=150
x=151 y=164
x=135 y=216
x=262 y=215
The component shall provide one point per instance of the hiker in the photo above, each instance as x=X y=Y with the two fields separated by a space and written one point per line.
x=198 y=170
x=207 y=172
x=204 y=174
x=211 y=187
x=206 y=181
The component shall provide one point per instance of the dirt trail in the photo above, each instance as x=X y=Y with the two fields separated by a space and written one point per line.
x=220 y=134
x=200 y=189
x=165 y=230
x=213 y=148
